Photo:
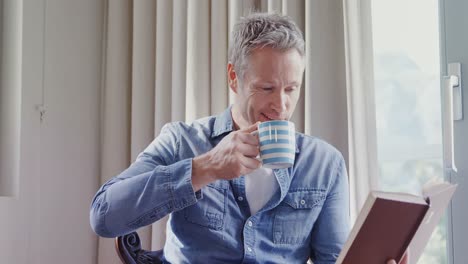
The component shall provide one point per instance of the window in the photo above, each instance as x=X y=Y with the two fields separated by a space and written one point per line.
x=407 y=98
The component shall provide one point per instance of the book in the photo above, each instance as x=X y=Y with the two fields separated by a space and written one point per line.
x=391 y=223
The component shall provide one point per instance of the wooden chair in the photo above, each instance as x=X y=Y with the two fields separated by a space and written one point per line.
x=129 y=250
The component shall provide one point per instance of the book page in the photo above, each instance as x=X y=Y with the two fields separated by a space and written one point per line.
x=439 y=196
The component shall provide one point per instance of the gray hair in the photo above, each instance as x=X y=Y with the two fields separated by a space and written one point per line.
x=259 y=30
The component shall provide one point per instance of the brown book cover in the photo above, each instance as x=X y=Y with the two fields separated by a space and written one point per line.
x=390 y=223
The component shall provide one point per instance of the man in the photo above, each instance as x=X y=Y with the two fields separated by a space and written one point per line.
x=206 y=175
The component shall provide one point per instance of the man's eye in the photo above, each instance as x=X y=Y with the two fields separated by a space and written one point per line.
x=267 y=88
x=290 y=89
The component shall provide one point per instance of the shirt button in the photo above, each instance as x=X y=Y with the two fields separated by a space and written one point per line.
x=249 y=249
x=250 y=223
x=302 y=202
x=240 y=198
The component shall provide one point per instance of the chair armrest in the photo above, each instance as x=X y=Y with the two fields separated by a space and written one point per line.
x=128 y=248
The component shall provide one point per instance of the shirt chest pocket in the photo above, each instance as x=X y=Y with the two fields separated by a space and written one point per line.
x=296 y=215
x=209 y=211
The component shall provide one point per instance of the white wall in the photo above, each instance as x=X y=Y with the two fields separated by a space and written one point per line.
x=47 y=221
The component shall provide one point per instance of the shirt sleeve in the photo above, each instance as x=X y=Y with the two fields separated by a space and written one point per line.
x=155 y=185
x=332 y=226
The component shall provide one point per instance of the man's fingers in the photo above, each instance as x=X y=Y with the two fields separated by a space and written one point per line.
x=251 y=128
x=249 y=139
x=404 y=260
x=406 y=257
x=248 y=150
x=246 y=135
x=250 y=163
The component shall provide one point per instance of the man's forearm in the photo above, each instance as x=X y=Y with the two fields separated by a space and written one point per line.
x=140 y=196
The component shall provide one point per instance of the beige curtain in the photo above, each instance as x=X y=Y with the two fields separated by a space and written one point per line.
x=363 y=166
x=166 y=61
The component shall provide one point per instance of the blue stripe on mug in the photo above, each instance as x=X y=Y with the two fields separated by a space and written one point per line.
x=278 y=160
x=278 y=132
x=273 y=141
x=278 y=150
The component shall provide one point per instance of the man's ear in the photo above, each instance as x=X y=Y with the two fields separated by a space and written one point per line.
x=232 y=77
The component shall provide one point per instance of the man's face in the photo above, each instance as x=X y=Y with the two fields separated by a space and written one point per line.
x=270 y=87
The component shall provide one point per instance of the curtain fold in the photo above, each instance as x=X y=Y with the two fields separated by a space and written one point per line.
x=275 y=6
x=166 y=61
x=115 y=130
x=325 y=92
x=179 y=59
x=295 y=9
x=198 y=100
x=163 y=82
x=143 y=75
x=363 y=170
x=219 y=55
x=142 y=91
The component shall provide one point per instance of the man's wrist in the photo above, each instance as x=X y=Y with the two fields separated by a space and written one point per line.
x=202 y=172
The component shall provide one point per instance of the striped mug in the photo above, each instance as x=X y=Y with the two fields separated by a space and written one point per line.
x=277 y=143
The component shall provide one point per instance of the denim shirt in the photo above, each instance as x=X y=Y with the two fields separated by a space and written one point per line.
x=307 y=217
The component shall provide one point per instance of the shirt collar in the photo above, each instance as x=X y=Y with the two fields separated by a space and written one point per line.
x=223 y=123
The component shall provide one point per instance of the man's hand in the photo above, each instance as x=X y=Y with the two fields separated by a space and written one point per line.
x=405 y=259
x=234 y=156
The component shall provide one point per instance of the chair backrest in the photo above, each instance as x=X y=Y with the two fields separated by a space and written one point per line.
x=128 y=248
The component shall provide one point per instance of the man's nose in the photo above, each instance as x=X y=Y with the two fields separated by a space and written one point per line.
x=278 y=102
